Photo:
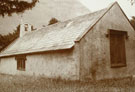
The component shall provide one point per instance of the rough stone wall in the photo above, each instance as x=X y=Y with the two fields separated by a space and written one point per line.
x=54 y=64
x=96 y=47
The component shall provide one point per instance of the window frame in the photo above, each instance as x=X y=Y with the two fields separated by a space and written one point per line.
x=21 y=62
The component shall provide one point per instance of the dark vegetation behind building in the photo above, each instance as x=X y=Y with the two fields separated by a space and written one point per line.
x=5 y=40
x=133 y=21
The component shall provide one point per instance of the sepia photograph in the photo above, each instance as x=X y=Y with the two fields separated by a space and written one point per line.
x=67 y=45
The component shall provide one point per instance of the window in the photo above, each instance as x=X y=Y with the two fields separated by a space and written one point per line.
x=117 y=48
x=21 y=62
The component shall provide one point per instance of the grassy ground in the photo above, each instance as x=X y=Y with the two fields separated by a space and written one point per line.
x=10 y=83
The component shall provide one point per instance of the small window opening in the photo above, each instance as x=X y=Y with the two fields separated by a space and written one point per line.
x=21 y=62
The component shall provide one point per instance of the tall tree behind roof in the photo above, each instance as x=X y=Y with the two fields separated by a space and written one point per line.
x=8 y=7
x=133 y=21
x=43 y=12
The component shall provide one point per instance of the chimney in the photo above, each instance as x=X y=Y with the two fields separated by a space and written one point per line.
x=24 y=28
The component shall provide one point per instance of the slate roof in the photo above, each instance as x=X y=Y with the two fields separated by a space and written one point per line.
x=58 y=36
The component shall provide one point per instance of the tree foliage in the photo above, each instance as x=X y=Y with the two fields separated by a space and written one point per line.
x=132 y=21
x=8 y=7
x=53 y=21
x=132 y=2
x=5 y=40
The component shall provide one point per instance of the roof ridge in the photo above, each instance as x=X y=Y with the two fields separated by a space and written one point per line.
x=110 y=5
x=89 y=28
x=67 y=21
x=79 y=16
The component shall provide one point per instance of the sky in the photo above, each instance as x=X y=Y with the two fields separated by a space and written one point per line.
x=94 y=5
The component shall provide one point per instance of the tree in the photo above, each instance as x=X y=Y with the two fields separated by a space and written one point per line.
x=5 y=40
x=132 y=21
x=8 y=7
x=132 y=2
x=53 y=21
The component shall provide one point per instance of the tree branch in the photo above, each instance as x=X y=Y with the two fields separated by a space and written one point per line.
x=8 y=7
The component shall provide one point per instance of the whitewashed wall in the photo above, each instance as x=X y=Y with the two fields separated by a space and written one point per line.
x=55 y=64
x=96 y=47
x=8 y=65
x=115 y=19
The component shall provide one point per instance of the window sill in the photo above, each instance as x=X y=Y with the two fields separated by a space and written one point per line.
x=21 y=69
x=118 y=65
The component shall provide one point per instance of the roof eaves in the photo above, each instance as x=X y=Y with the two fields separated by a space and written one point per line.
x=54 y=48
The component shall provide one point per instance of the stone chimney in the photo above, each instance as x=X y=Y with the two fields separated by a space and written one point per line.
x=24 y=28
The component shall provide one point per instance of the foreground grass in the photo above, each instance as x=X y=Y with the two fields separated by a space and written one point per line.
x=10 y=83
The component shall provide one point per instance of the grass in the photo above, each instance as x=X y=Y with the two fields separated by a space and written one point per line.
x=10 y=83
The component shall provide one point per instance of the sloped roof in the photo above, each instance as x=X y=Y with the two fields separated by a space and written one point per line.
x=54 y=37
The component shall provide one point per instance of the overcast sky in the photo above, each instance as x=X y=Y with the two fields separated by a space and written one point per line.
x=94 y=5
